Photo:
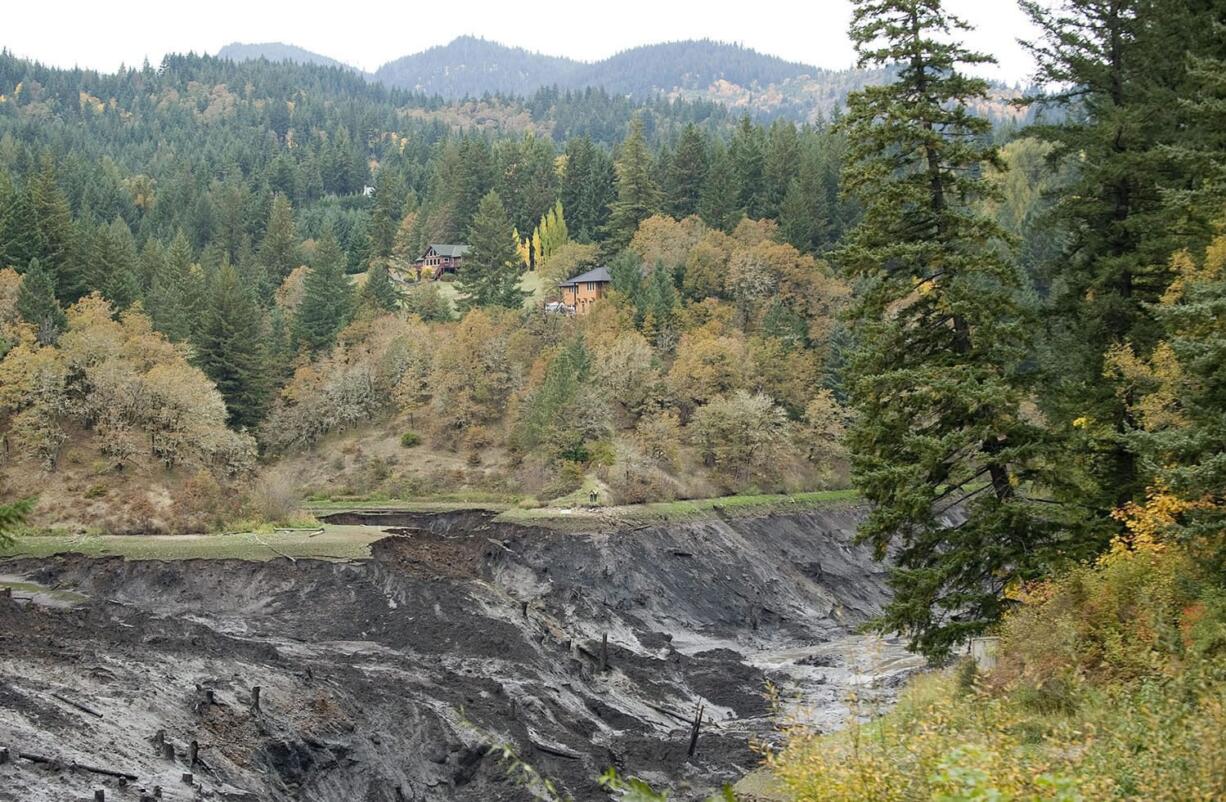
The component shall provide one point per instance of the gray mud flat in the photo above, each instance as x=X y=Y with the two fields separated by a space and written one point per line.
x=389 y=679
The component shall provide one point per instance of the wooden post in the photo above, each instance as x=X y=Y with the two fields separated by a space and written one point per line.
x=193 y=753
x=604 y=652
x=694 y=728
x=255 y=698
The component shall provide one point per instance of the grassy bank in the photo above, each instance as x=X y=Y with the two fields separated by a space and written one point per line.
x=345 y=542
x=326 y=543
x=664 y=512
x=1111 y=684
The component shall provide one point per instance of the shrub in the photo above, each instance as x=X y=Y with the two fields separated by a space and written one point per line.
x=410 y=439
x=274 y=499
x=1109 y=685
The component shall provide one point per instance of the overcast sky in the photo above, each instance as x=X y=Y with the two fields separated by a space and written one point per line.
x=103 y=34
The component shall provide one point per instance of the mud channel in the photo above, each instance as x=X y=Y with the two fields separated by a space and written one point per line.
x=397 y=678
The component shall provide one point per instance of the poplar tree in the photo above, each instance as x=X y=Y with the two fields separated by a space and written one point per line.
x=940 y=450
x=231 y=349
x=489 y=275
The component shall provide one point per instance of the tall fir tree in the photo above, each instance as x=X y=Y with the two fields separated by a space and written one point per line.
x=638 y=195
x=749 y=161
x=168 y=302
x=780 y=164
x=687 y=173
x=279 y=247
x=719 y=205
x=941 y=451
x=586 y=188
x=114 y=267
x=805 y=218
x=326 y=297
x=54 y=216
x=21 y=238
x=490 y=274
x=231 y=350
x=379 y=291
x=1111 y=66
x=37 y=305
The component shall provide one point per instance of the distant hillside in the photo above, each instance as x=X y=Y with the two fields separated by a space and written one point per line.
x=472 y=67
x=277 y=51
x=741 y=79
x=734 y=76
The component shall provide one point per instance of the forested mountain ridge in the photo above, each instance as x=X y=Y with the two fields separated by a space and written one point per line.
x=697 y=69
x=278 y=51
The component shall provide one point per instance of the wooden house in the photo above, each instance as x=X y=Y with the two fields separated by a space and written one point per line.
x=580 y=292
x=441 y=258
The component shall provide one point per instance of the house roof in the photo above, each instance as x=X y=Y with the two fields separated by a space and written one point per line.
x=600 y=274
x=452 y=250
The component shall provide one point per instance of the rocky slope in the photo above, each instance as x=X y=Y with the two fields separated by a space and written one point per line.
x=397 y=678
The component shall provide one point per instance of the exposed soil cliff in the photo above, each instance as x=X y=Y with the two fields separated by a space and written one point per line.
x=388 y=679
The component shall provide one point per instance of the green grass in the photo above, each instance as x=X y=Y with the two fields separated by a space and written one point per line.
x=346 y=542
x=670 y=511
x=531 y=282
x=334 y=543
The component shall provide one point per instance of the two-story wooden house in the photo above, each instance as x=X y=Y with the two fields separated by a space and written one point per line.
x=441 y=258
x=580 y=292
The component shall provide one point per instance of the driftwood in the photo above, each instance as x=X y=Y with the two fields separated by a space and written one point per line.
x=694 y=729
x=557 y=751
x=50 y=761
x=272 y=548
x=77 y=705
x=604 y=652
x=667 y=712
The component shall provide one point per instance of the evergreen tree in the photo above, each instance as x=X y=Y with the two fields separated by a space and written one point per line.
x=719 y=205
x=638 y=196
x=231 y=349
x=385 y=218
x=490 y=275
x=54 y=217
x=687 y=173
x=940 y=449
x=21 y=238
x=1126 y=93
x=168 y=302
x=805 y=216
x=279 y=248
x=379 y=290
x=780 y=165
x=749 y=163
x=37 y=305
x=586 y=188
x=114 y=264
x=325 y=299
